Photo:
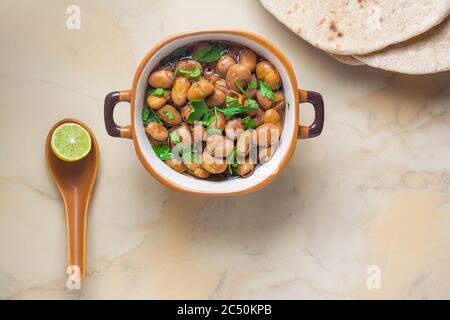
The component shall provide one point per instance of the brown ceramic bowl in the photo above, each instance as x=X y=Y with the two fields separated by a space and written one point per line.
x=265 y=173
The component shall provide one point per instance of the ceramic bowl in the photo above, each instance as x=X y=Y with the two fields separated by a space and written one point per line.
x=266 y=172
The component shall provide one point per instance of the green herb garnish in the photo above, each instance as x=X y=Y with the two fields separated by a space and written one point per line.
x=177 y=53
x=232 y=162
x=252 y=104
x=249 y=123
x=235 y=108
x=265 y=90
x=149 y=115
x=174 y=137
x=198 y=111
x=229 y=99
x=162 y=151
x=238 y=85
x=212 y=131
x=157 y=92
x=252 y=85
x=170 y=115
x=209 y=52
x=191 y=74
x=181 y=51
x=210 y=116
x=189 y=154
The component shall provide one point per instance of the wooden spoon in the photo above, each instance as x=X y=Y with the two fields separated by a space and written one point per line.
x=75 y=181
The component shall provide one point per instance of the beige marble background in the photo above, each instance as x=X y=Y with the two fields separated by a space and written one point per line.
x=373 y=189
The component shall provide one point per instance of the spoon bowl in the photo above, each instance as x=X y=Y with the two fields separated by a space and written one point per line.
x=75 y=182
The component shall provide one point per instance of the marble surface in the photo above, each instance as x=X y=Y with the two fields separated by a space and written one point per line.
x=373 y=189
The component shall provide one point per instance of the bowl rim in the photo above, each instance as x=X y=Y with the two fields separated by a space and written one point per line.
x=252 y=37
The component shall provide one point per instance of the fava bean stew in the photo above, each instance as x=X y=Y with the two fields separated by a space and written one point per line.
x=214 y=110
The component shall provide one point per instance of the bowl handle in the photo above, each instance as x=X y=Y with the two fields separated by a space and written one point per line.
x=113 y=129
x=316 y=127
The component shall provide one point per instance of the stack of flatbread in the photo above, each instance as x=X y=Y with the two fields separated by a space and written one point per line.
x=406 y=36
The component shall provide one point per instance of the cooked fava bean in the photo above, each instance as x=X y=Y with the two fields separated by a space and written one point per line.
x=251 y=92
x=161 y=79
x=266 y=153
x=198 y=132
x=219 y=146
x=243 y=143
x=212 y=164
x=266 y=134
x=180 y=90
x=204 y=90
x=191 y=166
x=272 y=116
x=156 y=102
x=218 y=122
x=176 y=164
x=266 y=71
x=257 y=116
x=182 y=134
x=188 y=65
x=224 y=63
x=278 y=102
x=245 y=169
x=186 y=111
x=234 y=128
x=157 y=131
x=199 y=90
x=263 y=101
x=200 y=173
x=170 y=115
x=240 y=74
x=221 y=84
x=248 y=58
x=216 y=99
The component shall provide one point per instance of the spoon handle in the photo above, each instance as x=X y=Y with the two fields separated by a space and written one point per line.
x=76 y=218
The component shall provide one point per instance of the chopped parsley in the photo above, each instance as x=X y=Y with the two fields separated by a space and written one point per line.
x=149 y=115
x=238 y=85
x=249 y=123
x=212 y=131
x=265 y=90
x=170 y=115
x=235 y=108
x=210 y=116
x=191 y=74
x=252 y=85
x=177 y=53
x=198 y=111
x=229 y=99
x=162 y=151
x=157 y=92
x=232 y=162
x=209 y=52
x=174 y=137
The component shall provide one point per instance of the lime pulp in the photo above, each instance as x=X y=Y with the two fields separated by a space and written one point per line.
x=71 y=142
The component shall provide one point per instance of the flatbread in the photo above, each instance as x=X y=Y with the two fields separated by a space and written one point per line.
x=350 y=60
x=348 y=27
x=427 y=53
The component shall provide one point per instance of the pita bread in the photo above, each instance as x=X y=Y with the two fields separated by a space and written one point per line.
x=427 y=53
x=350 y=60
x=348 y=27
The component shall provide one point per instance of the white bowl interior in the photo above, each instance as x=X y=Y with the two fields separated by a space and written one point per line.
x=228 y=185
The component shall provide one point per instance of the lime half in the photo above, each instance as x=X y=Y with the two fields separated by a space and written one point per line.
x=71 y=142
